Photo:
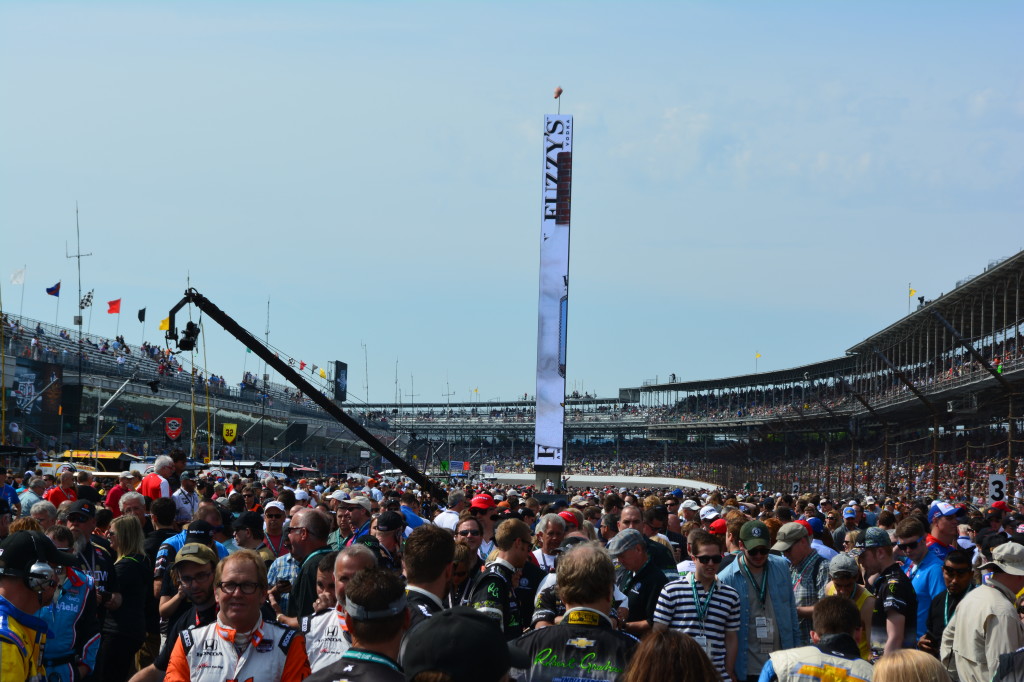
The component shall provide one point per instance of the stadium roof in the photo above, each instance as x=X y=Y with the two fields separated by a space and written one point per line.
x=1001 y=280
x=814 y=370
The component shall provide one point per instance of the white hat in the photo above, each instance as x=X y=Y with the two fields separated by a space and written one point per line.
x=274 y=504
x=301 y=495
x=708 y=512
x=339 y=495
x=1008 y=556
x=690 y=504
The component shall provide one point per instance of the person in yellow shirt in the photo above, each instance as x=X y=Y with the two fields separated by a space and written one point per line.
x=843 y=571
x=28 y=581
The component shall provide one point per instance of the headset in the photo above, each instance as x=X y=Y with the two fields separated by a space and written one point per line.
x=38 y=577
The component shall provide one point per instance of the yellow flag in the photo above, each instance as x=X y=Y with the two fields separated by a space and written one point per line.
x=757 y=355
x=165 y=324
x=230 y=431
x=323 y=374
x=912 y=292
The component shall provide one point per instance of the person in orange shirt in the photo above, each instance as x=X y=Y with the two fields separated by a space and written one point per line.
x=240 y=645
x=62 y=492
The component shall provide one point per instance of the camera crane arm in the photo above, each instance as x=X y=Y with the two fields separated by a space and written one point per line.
x=252 y=343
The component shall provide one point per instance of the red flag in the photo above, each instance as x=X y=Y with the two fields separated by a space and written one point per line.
x=302 y=365
x=465 y=466
x=114 y=307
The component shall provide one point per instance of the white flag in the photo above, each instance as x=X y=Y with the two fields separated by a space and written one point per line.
x=18 y=277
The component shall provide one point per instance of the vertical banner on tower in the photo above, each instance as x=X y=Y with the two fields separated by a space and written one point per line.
x=340 y=381
x=554 y=292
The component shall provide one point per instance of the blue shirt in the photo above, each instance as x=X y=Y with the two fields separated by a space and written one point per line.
x=928 y=583
x=10 y=494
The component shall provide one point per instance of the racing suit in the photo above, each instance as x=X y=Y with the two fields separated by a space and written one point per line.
x=22 y=637
x=207 y=654
x=74 y=629
x=326 y=636
x=584 y=646
x=494 y=595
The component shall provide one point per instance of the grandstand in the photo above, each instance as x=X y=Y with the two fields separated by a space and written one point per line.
x=925 y=403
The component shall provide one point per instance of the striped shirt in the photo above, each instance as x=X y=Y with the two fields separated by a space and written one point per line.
x=678 y=609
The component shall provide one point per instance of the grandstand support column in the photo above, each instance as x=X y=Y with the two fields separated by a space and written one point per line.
x=853 y=471
x=935 y=457
x=1011 y=435
x=888 y=462
x=828 y=483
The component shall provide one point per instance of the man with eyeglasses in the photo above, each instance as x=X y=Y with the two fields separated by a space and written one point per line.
x=483 y=507
x=958 y=577
x=193 y=569
x=923 y=568
x=809 y=573
x=768 y=620
x=240 y=645
x=703 y=606
x=308 y=536
x=273 y=527
x=360 y=512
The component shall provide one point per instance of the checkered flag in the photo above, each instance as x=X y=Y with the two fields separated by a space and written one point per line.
x=86 y=301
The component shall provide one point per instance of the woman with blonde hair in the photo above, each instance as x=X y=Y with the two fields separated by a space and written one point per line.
x=124 y=628
x=910 y=665
x=670 y=655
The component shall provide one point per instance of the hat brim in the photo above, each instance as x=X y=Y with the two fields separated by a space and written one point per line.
x=1005 y=568
x=782 y=546
x=754 y=543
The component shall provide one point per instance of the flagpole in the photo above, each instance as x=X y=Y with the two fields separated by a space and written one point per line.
x=21 y=310
x=142 y=333
x=909 y=296
x=56 y=315
x=117 y=327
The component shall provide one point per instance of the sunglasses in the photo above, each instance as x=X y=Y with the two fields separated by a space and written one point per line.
x=955 y=571
x=469 y=533
x=712 y=559
x=758 y=551
x=908 y=545
x=275 y=516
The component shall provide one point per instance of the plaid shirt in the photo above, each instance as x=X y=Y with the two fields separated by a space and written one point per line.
x=809 y=579
x=285 y=567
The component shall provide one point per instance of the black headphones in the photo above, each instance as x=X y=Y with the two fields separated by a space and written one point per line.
x=38 y=577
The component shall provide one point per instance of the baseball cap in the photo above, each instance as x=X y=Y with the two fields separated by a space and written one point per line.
x=463 y=643
x=199 y=531
x=1009 y=557
x=274 y=504
x=942 y=509
x=195 y=553
x=1002 y=506
x=869 y=500
x=301 y=495
x=806 y=524
x=339 y=495
x=248 y=521
x=578 y=500
x=363 y=502
x=389 y=521
x=569 y=518
x=708 y=512
x=755 y=534
x=186 y=476
x=690 y=504
x=849 y=513
x=718 y=527
x=21 y=549
x=842 y=564
x=816 y=524
x=84 y=507
x=625 y=540
x=482 y=501
x=876 y=537
x=790 y=534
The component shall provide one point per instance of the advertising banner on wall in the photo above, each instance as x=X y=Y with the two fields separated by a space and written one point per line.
x=553 y=305
x=340 y=381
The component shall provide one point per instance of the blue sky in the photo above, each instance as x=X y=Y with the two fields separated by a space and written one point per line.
x=748 y=177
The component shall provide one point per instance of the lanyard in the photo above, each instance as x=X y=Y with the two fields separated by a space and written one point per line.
x=702 y=607
x=280 y=544
x=803 y=572
x=762 y=589
x=358 y=655
x=946 y=613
